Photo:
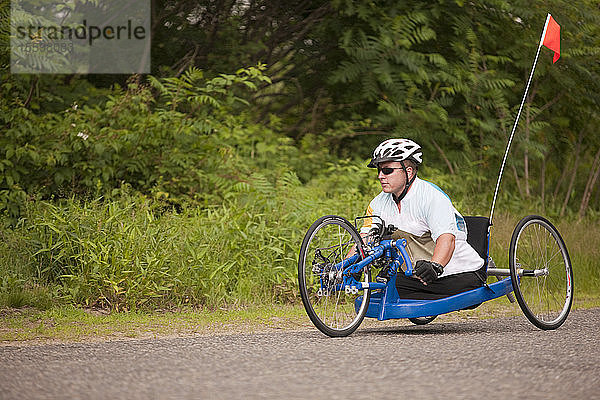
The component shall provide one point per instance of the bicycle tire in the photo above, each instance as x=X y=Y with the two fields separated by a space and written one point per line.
x=332 y=311
x=545 y=296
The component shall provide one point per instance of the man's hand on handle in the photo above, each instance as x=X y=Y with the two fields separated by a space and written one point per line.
x=427 y=271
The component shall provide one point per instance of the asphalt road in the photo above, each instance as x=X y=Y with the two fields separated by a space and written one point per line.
x=504 y=358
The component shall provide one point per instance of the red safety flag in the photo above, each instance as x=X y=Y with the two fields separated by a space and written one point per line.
x=552 y=37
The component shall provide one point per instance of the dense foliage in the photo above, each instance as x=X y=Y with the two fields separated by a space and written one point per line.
x=343 y=74
x=196 y=183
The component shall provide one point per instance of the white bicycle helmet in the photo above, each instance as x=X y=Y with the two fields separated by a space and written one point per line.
x=396 y=150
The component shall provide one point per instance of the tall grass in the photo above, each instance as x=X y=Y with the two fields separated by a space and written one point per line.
x=582 y=238
x=132 y=253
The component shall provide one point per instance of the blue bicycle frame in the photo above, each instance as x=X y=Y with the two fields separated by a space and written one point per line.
x=386 y=304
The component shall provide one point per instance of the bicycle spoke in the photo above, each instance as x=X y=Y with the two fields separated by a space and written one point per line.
x=326 y=246
x=545 y=299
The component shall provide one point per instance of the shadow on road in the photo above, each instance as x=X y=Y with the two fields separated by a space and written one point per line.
x=494 y=326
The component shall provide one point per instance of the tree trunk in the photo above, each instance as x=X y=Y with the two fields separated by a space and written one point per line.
x=591 y=183
x=559 y=184
x=574 y=173
x=596 y=195
x=571 y=184
x=439 y=149
x=543 y=182
x=517 y=181
x=586 y=200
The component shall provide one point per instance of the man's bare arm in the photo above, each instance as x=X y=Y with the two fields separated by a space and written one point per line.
x=444 y=248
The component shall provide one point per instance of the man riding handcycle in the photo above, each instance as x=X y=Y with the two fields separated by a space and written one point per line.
x=431 y=259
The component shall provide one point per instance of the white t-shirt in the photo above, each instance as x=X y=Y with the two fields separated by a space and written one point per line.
x=426 y=208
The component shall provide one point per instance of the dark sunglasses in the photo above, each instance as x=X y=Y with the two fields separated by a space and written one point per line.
x=386 y=170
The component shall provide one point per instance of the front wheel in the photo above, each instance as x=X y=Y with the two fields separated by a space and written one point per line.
x=541 y=272
x=323 y=257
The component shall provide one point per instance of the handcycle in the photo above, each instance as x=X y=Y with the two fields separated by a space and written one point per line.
x=335 y=267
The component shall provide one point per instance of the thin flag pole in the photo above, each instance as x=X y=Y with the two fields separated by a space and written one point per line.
x=514 y=128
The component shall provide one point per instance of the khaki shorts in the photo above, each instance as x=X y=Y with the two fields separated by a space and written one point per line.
x=417 y=247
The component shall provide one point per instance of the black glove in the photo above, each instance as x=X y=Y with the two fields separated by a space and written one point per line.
x=375 y=232
x=428 y=271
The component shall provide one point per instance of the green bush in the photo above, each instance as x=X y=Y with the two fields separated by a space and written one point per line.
x=179 y=139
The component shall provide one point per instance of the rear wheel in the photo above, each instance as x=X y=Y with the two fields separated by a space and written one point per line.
x=541 y=272
x=320 y=276
x=422 y=320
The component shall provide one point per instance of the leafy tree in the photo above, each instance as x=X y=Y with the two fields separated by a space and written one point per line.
x=344 y=74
